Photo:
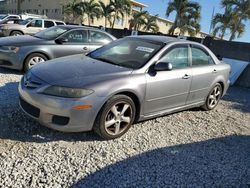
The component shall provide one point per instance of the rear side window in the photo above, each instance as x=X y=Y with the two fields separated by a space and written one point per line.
x=59 y=23
x=177 y=56
x=99 y=37
x=48 y=24
x=200 y=57
x=36 y=23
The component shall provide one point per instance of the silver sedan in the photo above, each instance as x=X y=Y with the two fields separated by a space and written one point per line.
x=23 y=52
x=128 y=80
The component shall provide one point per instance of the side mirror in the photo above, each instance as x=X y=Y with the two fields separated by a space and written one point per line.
x=61 y=40
x=29 y=25
x=163 y=66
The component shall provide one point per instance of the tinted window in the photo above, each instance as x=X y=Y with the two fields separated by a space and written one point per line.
x=36 y=23
x=48 y=24
x=59 y=23
x=131 y=53
x=99 y=37
x=200 y=58
x=77 y=36
x=11 y=17
x=177 y=56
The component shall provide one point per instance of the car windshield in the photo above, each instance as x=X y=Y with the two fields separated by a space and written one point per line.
x=24 y=22
x=3 y=16
x=51 y=33
x=129 y=52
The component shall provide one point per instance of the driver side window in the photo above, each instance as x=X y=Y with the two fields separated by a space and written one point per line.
x=177 y=56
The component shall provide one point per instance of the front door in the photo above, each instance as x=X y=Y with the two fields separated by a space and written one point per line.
x=76 y=42
x=169 y=89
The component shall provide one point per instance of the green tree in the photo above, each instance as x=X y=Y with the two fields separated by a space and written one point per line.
x=91 y=9
x=187 y=16
x=137 y=19
x=241 y=8
x=106 y=12
x=221 y=22
x=121 y=7
x=72 y=8
x=150 y=23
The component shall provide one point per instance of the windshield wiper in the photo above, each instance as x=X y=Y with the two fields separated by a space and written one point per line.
x=105 y=60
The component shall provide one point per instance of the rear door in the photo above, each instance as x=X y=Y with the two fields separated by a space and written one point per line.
x=169 y=89
x=34 y=26
x=203 y=71
x=76 y=43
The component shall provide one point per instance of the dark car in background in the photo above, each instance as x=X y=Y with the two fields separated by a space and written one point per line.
x=23 y=52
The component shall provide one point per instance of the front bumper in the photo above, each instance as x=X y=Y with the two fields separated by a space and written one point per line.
x=57 y=112
x=10 y=60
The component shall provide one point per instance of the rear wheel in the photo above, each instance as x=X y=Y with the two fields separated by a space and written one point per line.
x=34 y=59
x=16 y=33
x=115 y=118
x=213 y=97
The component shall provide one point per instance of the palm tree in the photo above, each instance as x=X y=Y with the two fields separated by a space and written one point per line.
x=73 y=9
x=91 y=9
x=221 y=22
x=120 y=7
x=187 y=16
x=237 y=29
x=150 y=23
x=138 y=19
x=241 y=9
x=106 y=12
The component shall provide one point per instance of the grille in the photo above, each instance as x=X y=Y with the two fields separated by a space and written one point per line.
x=33 y=111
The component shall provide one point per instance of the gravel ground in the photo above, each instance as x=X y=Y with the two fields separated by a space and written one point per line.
x=193 y=148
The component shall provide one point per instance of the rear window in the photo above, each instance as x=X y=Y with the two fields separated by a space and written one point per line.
x=48 y=24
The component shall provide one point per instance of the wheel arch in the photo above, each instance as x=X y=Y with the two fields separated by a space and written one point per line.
x=16 y=30
x=34 y=52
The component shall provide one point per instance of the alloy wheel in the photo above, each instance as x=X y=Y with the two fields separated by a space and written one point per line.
x=214 y=97
x=35 y=60
x=118 y=118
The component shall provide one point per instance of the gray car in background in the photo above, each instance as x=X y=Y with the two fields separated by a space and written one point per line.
x=23 y=52
x=128 y=80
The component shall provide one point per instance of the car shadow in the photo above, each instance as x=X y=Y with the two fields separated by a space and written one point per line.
x=219 y=162
x=239 y=98
x=10 y=71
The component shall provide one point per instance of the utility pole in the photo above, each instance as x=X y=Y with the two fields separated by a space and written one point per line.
x=211 y=23
x=18 y=6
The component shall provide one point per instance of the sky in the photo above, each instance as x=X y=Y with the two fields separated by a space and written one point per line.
x=159 y=7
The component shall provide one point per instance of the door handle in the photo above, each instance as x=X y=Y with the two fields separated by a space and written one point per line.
x=85 y=48
x=186 y=76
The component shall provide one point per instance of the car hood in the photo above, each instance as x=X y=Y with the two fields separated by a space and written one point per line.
x=19 y=40
x=77 y=71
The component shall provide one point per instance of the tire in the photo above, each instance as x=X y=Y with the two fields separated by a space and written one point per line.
x=213 y=97
x=110 y=126
x=16 y=33
x=33 y=59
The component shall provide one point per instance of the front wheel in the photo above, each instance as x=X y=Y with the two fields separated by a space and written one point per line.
x=16 y=33
x=34 y=59
x=213 y=97
x=115 y=118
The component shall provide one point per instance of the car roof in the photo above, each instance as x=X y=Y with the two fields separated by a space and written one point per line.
x=78 y=27
x=157 y=38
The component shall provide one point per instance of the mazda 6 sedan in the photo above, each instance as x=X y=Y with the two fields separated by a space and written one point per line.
x=23 y=52
x=129 y=80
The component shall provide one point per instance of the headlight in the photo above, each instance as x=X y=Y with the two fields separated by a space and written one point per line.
x=9 y=49
x=67 y=92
